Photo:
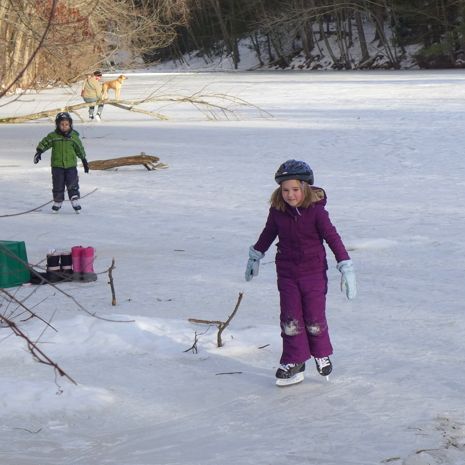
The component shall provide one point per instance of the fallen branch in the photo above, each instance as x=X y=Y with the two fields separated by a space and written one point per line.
x=44 y=114
x=150 y=162
x=30 y=431
x=220 y=324
x=130 y=107
x=209 y=104
x=229 y=373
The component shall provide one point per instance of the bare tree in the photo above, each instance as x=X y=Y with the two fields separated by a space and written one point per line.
x=58 y=41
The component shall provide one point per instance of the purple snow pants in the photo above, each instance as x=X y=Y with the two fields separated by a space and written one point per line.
x=304 y=329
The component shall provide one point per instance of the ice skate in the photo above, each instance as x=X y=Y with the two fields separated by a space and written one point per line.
x=75 y=204
x=56 y=207
x=290 y=373
x=324 y=366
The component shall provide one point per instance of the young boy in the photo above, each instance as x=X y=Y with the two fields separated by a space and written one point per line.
x=66 y=148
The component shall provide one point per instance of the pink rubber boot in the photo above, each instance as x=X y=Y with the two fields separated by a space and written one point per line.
x=76 y=254
x=87 y=262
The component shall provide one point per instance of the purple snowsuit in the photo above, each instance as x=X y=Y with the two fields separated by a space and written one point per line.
x=302 y=282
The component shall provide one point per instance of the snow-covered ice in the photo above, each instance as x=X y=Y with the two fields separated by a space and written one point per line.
x=388 y=149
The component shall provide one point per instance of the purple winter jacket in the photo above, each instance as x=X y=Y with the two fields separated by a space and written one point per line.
x=301 y=232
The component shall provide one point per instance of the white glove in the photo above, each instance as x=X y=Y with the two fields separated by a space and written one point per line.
x=348 y=283
x=253 y=263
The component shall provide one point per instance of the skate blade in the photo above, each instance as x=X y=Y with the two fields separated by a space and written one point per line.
x=297 y=378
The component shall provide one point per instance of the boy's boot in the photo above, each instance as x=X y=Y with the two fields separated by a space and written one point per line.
x=56 y=206
x=75 y=203
x=87 y=262
x=53 y=268
x=66 y=261
x=76 y=257
x=91 y=112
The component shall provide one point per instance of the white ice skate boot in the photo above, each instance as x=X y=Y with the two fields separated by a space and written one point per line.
x=56 y=207
x=75 y=204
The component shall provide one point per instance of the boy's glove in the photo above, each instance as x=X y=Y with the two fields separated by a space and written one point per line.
x=85 y=165
x=253 y=264
x=37 y=157
x=348 y=284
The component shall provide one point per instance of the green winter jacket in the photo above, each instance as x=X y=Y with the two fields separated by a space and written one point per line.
x=65 y=148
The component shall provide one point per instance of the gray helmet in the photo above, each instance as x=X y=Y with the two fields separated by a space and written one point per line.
x=294 y=169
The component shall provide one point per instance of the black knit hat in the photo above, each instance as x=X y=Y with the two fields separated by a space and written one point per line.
x=294 y=169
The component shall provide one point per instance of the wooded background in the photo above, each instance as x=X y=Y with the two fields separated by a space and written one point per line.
x=278 y=30
x=44 y=42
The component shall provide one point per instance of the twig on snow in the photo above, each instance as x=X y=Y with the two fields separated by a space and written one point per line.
x=193 y=348
x=222 y=325
x=110 y=282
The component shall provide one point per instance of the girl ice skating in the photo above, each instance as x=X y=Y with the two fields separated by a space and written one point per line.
x=298 y=218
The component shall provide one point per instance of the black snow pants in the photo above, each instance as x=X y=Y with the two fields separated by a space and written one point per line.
x=65 y=177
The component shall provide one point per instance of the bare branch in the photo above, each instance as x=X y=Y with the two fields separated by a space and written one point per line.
x=193 y=347
x=14 y=299
x=220 y=324
x=37 y=353
x=226 y=324
x=110 y=282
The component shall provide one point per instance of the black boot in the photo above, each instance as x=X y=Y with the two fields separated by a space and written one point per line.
x=53 y=268
x=66 y=266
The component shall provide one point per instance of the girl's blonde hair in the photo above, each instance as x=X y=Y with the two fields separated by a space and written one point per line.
x=310 y=197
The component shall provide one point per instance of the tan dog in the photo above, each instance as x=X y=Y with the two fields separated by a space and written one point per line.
x=116 y=85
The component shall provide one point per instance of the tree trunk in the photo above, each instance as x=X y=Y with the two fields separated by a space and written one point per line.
x=256 y=45
x=224 y=31
x=361 y=37
x=326 y=41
